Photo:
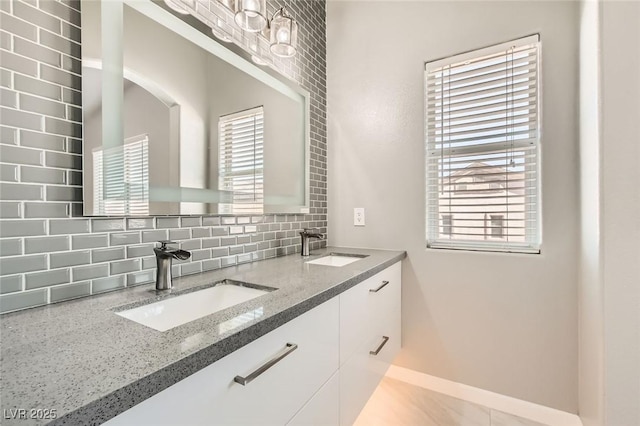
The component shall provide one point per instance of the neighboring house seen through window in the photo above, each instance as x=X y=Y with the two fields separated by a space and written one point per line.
x=482 y=136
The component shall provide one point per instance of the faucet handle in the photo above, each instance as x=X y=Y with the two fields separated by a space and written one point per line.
x=164 y=243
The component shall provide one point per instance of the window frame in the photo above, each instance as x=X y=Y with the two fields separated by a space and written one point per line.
x=533 y=239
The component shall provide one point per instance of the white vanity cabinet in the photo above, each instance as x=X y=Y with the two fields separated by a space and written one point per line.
x=370 y=338
x=211 y=396
x=343 y=347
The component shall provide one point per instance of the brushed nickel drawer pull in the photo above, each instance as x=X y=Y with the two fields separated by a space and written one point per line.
x=267 y=365
x=384 y=283
x=385 y=339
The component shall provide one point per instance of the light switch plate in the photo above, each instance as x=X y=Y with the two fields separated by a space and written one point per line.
x=358 y=216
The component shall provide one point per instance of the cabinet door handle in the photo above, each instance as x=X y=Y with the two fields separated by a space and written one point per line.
x=375 y=290
x=267 y=365
x=385 y=339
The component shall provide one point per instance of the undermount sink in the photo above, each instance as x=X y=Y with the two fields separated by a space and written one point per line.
x=337 y=259
x=174 y=311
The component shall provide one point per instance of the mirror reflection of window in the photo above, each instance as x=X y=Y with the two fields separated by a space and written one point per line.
x=121 y=178
x=241 y=160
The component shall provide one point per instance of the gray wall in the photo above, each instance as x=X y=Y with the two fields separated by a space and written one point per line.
x=502 y=322
x=620 y=73
x=47 y=255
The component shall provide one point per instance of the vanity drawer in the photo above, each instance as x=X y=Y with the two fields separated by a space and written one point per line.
x=211 y=396
x=363 y=312
x=323 y=409
x=362 y=372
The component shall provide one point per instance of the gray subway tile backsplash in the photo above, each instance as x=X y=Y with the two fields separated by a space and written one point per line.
x=141 y=277
x=179 y=234
x=17 y=155
x=82 y=273
x=22 y=300
x=73 y=226
x=9 y=172
x=19 y=27
x=70 y=291
x=107 y=225
x=10 y=284
x=46 y=210
x=43 y=106
x=34 y=86
x=46 y=244
x=89 y=241
x=124 y=238
x=35 y=16
x=9 y=210
x=107 y=255
x=47 y=278
x=124 y=266
x=22 y=264
x=18 y=63
x=107 y=284
x=153 y=236
x=10 y=247
x=50 y=254
x=42 y=175
x=22 y=228
x=19 y=191
x=70 y=258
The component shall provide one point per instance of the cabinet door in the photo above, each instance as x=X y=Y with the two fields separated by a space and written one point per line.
x=323 y=409
x=211 y=396
x=381 y=341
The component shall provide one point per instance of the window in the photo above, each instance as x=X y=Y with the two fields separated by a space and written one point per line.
x=241 y=161
x=121 y=179
x=482 y=137
x=447 y=223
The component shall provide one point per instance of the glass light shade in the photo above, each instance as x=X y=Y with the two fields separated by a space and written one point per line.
x=284 y=34
x=177 y=7
x=251 y=15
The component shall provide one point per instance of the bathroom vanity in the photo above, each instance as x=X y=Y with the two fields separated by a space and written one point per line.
x=310 y=351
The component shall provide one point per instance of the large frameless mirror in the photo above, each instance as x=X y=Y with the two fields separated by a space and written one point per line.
x=176 y=124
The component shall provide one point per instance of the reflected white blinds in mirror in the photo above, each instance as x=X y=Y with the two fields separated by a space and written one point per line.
x=482 y=136
x=121 y=179
x=241 y=143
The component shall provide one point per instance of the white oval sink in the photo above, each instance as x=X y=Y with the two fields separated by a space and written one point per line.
x=174 y=311
x=337 y=259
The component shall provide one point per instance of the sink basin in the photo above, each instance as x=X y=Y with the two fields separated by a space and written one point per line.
x=174 y=311
x=337 y=259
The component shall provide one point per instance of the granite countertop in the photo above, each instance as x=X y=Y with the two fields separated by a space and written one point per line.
x=88 y=364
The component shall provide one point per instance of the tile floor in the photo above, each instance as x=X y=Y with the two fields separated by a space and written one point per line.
x=396 y=403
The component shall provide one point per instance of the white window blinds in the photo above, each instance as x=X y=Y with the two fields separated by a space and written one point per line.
x=482 y=139
x=121 y=179
x=241 y=140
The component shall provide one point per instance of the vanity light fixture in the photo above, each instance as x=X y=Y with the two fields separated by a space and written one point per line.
x=177 y=6
x=251 y=15
x=218 y=30
x=284 y=34
x=279 y=35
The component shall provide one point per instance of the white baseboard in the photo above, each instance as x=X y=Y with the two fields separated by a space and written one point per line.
x=496 y=401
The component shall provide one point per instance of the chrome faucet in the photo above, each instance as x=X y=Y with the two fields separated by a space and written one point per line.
x=307 y=233
x=164 y=256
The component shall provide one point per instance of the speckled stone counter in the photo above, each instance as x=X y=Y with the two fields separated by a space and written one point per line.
x=88 y=364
